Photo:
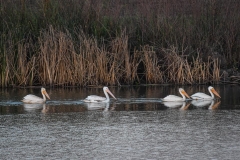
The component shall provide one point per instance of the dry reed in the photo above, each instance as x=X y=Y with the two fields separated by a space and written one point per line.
x=180 y=71
x=152 y=69
x=61 y=62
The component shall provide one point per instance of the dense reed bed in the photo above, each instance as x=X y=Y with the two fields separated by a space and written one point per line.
x=79 y=43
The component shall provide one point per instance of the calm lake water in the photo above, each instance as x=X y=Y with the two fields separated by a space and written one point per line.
x=136 y=126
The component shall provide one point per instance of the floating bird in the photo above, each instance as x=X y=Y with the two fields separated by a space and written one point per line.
x=177 y=98
x=35 y=99
x=200 y=95
x=96 y=99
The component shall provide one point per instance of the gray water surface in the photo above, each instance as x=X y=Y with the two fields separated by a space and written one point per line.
x=136 y=126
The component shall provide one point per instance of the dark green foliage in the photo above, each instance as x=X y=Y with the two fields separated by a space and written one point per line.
x=196 y=28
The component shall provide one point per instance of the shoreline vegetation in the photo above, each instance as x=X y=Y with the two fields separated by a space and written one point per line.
x=119 y=42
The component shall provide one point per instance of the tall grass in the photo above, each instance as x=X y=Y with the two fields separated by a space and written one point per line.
x=180 y=70
x=60 y=62
x=117 y=42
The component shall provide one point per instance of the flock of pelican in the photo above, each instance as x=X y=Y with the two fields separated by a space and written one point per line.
x=195 y=96
x=31 y=99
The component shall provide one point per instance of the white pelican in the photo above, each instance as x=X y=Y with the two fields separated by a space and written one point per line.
x=95 y=99
x=35 y=99
x=200 y=95
x=177 y=98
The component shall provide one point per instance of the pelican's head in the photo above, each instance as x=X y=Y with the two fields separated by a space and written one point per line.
x=43 y=90
x=183 y=92
x=108 y=91
x=211 y=89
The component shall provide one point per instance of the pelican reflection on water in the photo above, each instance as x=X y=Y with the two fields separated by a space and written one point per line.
x=183 y=105
x=97 y=106
x=173 y=104
x=30 y=107
x=211 y=104
x=215 y=105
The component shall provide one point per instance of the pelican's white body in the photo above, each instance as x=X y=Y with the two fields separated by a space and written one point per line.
x=200 y=95
x=35 y=99
x=97 y=99
x=176 y=98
